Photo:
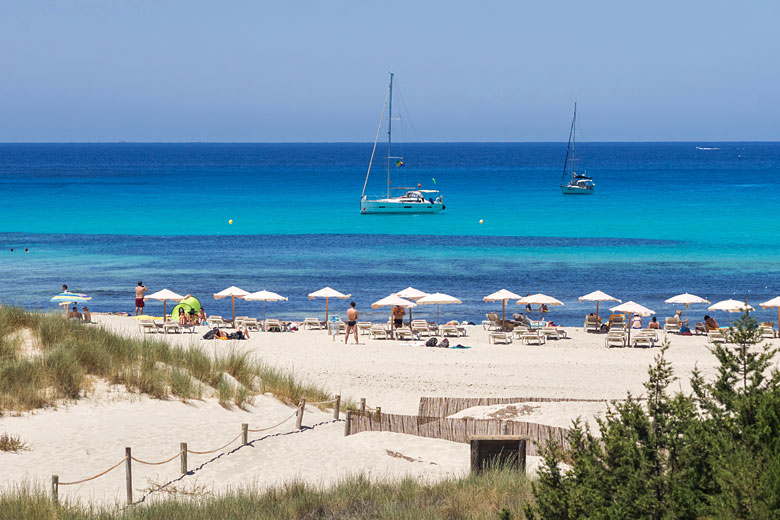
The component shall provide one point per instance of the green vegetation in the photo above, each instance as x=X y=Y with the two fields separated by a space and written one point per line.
x=712 y=454
x=500 y=493
x=45 y=358
x=12 y=443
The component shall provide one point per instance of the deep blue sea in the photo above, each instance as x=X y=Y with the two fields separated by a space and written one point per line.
x=666 y=218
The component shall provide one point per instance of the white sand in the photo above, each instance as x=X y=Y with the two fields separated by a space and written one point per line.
x=78 y=440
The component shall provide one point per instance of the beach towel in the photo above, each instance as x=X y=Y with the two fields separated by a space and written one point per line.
x=459 y=346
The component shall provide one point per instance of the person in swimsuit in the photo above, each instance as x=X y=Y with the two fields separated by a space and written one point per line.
x=139 y=298
x=398 y=316
x=352 y=317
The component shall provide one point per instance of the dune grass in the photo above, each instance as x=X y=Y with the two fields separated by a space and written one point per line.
x=67 y=356
x=495 y=494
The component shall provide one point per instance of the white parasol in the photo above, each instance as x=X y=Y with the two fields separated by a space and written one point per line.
x=164 y=295
x=264 y=296
x=632 y=308
x=598 y=297
x=231 y=292
x=328 y=293
x=687 y=300
x=438 y=299
x=503 y=296
x=771 y=304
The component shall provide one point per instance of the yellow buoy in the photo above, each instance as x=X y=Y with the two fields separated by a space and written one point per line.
x=230 y=221
x=481 y=221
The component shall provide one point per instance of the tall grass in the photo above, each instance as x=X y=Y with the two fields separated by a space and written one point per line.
x=481 y=496
x=71 y=352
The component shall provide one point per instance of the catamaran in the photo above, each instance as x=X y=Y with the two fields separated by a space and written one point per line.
x=579 y=183
x=414 y=200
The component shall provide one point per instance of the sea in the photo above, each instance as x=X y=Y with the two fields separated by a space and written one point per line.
x=665 y=218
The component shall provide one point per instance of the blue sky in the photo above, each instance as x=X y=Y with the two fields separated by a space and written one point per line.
x=192 y=70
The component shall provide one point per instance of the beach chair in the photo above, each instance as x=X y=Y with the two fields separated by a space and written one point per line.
x=312 y=323
x=171 y=327
x=251 y=324
x=615 y=338
x=672 y=324
x=363 y=327
x=617 y=322
x=217 y=321
x=239 y=321
x=644 y=338
x=272 y=324
x=592 y=323
x=700 y=328
x=496 y=336
x=767 y=332
x=532 y=337
x=377 y=332
x=421 y=328
x=147 y=326
x=404 y=334
x=450 y=330
x=716 y=336
x=492 y=322
x=550 y=332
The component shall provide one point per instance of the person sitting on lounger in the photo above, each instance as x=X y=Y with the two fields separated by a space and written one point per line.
x=654 y=324
x=711 y=323
x=182 y=316
x=75 y=313
x=86 y=316
x=636 y=322
x=202 y=318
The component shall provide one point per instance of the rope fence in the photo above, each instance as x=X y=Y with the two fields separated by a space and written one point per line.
x=184 y=450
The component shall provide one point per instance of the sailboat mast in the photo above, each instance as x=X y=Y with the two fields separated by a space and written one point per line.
x=573 y=139
x=389 y=132
x=569 y=146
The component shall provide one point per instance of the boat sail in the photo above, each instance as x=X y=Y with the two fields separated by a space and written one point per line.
x=579 y=183
x=414 y=200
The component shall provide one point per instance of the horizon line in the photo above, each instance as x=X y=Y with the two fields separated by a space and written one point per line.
x=406 y=143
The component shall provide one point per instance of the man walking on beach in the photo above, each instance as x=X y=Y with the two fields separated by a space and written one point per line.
x=352 y=317
x=139 y=298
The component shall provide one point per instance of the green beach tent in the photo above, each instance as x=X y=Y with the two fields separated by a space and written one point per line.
x=188 y=304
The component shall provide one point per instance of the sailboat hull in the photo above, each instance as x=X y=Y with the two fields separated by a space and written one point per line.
x=391 y=206
x=576 y=190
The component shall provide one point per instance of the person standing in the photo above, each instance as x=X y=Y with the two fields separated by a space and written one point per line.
x=352 y=317
x=64 y=288
x=398 y=316
x=139 y=297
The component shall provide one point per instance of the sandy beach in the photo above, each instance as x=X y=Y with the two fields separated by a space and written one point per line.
x=79 y=439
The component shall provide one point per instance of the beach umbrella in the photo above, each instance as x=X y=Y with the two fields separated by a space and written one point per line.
x=632 y=308
x=503 y=296
x=264 y=296
x=438 y=299
x=328 y=293
x=163 y=296
x=539 y=299
x=410 y=293
x=687 y=300
x=598 y=297
x=393 y=301
x=771 y=304
x=66 y=298
x=731 y=306
x=231 y=292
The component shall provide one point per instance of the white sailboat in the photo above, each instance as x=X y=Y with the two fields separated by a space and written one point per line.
x=413 y=200
x=579 y=183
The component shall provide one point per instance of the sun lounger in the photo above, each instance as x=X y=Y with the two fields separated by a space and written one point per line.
x=532 y=337
x=699 y=328
x=497 y=336
x=217 y=321
x=171 y=327
x=421 y=327
x=147 y=326
x=716 y=336
x=492 y=322
x=452 y=330
x=553 y=332
x=615 y=339
x=644 y=338
x=404 y=334
x=617 y=322
x=672 y=324
x=272 y=325
x=378 y=331
x=767 y=332
x=364 y=327
x=592 y=323
x=312 y=323
x=251 y=324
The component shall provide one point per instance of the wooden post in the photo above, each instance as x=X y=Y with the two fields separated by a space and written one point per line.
x=244 y=434
x=299 y=419
x=183 y=448
x=129 y=476
x=336 y=407
x=504 y=428
x=379 y=413
x=363 y=405
x=55 y=488
x=346 y=423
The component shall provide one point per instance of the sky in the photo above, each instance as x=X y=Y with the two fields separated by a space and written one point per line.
x=317 y=71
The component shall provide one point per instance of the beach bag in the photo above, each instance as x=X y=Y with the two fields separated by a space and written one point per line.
x=445 y=343
x=431 y=342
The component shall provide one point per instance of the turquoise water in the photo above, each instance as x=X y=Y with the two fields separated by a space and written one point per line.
x=665 y=218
